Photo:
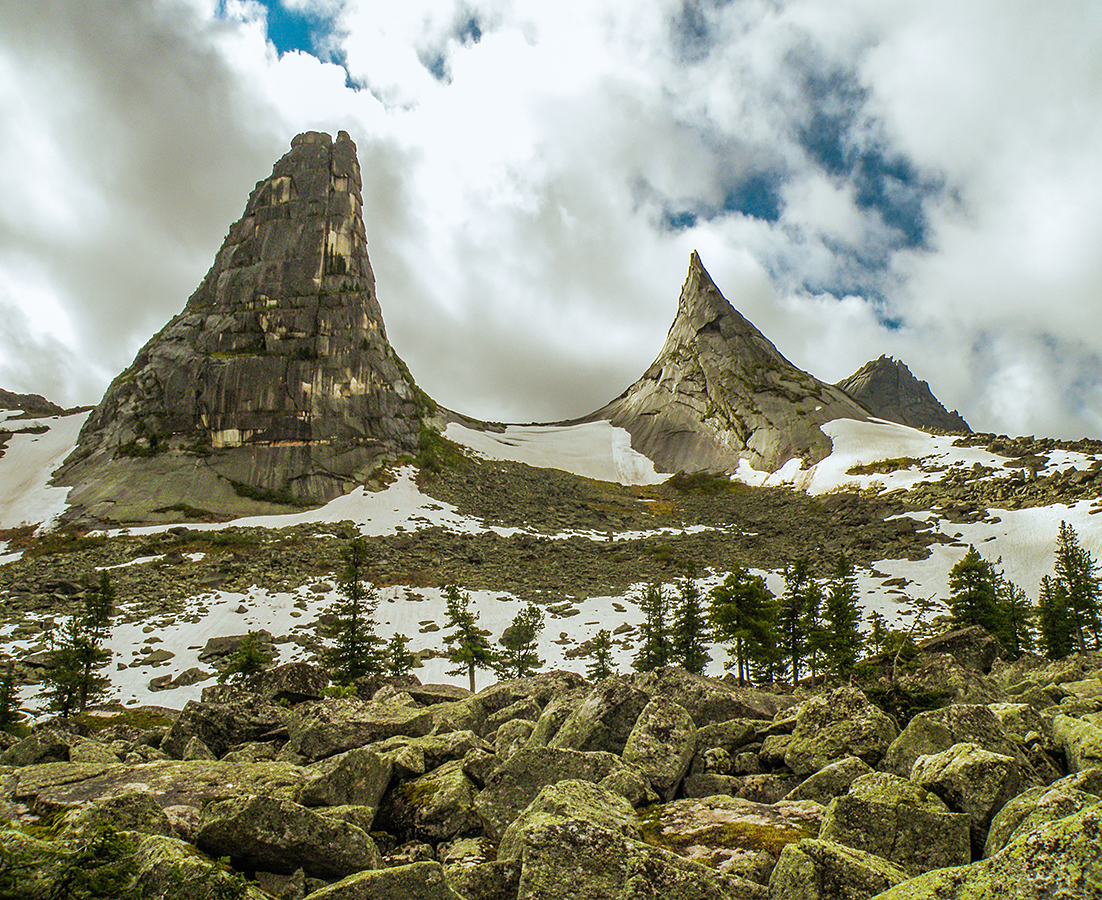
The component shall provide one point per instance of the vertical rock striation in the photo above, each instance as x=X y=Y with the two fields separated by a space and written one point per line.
x=720 y=392
x=277 y=379
x=889 y=391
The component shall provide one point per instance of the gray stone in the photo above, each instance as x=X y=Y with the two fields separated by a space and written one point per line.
x=835 y=725
x=416 y=881
x=358 y=777
x=939 y=729
x=437 y=806
x=322 y=729
x=1032 y=808
x=830 y=781
x=821 y=870
x=603 y=720
x=887 y=389
x=1081 y=741
x=661 y=745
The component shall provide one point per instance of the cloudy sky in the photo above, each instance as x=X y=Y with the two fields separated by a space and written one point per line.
x=922 y=179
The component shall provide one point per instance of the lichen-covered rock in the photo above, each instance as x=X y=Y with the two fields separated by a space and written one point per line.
x=603 y=720
x=831 y=781
x=569 y=801
x=1080 y=740
x=516 y=782
x=131 y=811
x=661 y=745
x=438 y=806
x=415 y=881
x=281 y=836
x=473 y=870
x=170 y=869
x=939 y=729
x=577 y=860
x=736 y=836
x=322 y=729
x=708 y=700
x=821 y=870
x=1035 y=807
x=1059 y=859
x=222 y=725
x=970 y=780
x=1020 y=720
x=556 y=712
x=730 y=736
x=841 y=723
x=358 y=777
x=413 y=756
x=542 y=689
x=511 y=736
x=899 y=821
x=526 y=709
x=52 y=745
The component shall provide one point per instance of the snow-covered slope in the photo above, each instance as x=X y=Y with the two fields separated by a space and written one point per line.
x=27 y=464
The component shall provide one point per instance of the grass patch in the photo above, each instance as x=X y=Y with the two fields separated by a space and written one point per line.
x=709 y=483
x=437 y=453
x=281 y=497
x=884 y=466
x=64 y=540
x=194 y=513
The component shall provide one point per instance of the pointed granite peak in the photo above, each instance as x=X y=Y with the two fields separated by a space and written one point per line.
x=888 y=389
x=276 y=381
x=720 y=392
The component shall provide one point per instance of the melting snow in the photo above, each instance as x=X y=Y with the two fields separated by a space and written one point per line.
x=26 y=467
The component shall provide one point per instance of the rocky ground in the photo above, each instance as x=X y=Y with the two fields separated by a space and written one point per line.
x=661 y=784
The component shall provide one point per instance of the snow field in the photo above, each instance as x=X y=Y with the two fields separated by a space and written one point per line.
x=26 y=467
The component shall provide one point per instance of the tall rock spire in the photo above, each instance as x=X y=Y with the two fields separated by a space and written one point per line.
x=277 y=379
x=720 y=392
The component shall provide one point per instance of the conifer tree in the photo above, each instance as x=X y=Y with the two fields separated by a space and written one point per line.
x=1054 y=619
x=796 y=612
x=249 y=660
x=656 y=650
x=357 y=648
x=973 y=594
x=843 y=619
x=1016 y=617
x=73 y=660
x=878 y=631
x=468 y=644
x=1077 y=572
x=10 y=714
x=518 y=657
x=399 y=660
x=602 y=666
x=688 y=641
x=740 y=610
x=99 y=606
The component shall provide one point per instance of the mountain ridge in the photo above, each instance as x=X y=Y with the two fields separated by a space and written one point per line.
x=889 y=390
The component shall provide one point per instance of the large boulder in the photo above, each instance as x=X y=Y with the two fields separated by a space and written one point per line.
x=574 y=860
x=603 y=720
x=661 y=745
x=821 y=870
x=971 y=647
x=412 y=756
x=835 y=725
x=541 y=688
x=709 y=700
x=170 y=869
x=830 y=781
x=970 y=780
x=135 y=811
x=328 y=727
x=730 y=834
x=1059 y=859
x=1081 y=741
x=570 y=801
x=55 y=745
x=282 y=836
x=516 y=782
x=358 y=777
x=1035 y=807
x=437 y=806
x=415 y=881
x=899 y=821
x=223 y=725
x=939 y=729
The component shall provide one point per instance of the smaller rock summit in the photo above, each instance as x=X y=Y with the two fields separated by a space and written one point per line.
x=889 y=391
x=720 y=392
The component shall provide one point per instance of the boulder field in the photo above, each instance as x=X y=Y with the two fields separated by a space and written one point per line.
x=660 y=784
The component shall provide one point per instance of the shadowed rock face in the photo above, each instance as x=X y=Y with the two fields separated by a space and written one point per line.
x=720 y=392
x=277 y=374
x=889 y=391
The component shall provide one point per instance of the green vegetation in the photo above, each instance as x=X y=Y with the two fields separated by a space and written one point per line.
x=71 y=679
x=518 y=657
x=249 y=660
x=656 y=649
x=437 y=453
x=468 y=644
x=884 y=466
x=281 y=497
x=602 y=666
x=399 y=660
x=709 y=483
x=11 y=717
x=741 y=611
x=689 y=635
x=357 y=648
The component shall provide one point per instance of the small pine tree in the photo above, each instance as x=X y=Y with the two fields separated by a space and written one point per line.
x=468 y=645
x=1016 y=617
x=797 y=613
x=1054 y=619
x=10 y=714
x=843 y=617
x=71 y=675
x=518 y=657
x=655 y=650
x=602 y=666
x=99 y=606
x=688 y=640
x=973 y=598
x=399 y=660
x=740 y=610
x=357 y=648
x=1077 y=572
x=878 y=632
x=249 y=660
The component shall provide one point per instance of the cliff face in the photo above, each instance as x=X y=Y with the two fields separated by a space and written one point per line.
x=277 y=375
x=889 y=391
x=720 y=392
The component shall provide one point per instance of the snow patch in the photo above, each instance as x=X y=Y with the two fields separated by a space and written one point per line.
x=27 y=465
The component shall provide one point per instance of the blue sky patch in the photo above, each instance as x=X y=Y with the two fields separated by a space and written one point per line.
x=290 y=29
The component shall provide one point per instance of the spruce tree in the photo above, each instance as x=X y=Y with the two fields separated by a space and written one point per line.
x=1016 y=617
x=1077 y=572
x=518 y=657
x=796 y=612
x=99 y=606
x=973 y=594
x=357 y=648
x=688 y=640
x=740 y=610
x=249 y=660
x=655 y=650
x=73 y=660
x=878 y=631
x=602 y=666
x=468 y=644
x=399 y=660
x=843 y=619
x=10 y=714
x=1054 y=619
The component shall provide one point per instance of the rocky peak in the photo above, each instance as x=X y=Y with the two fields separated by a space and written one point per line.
x=279 y=355
x=720 y=392
x=889 y=391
